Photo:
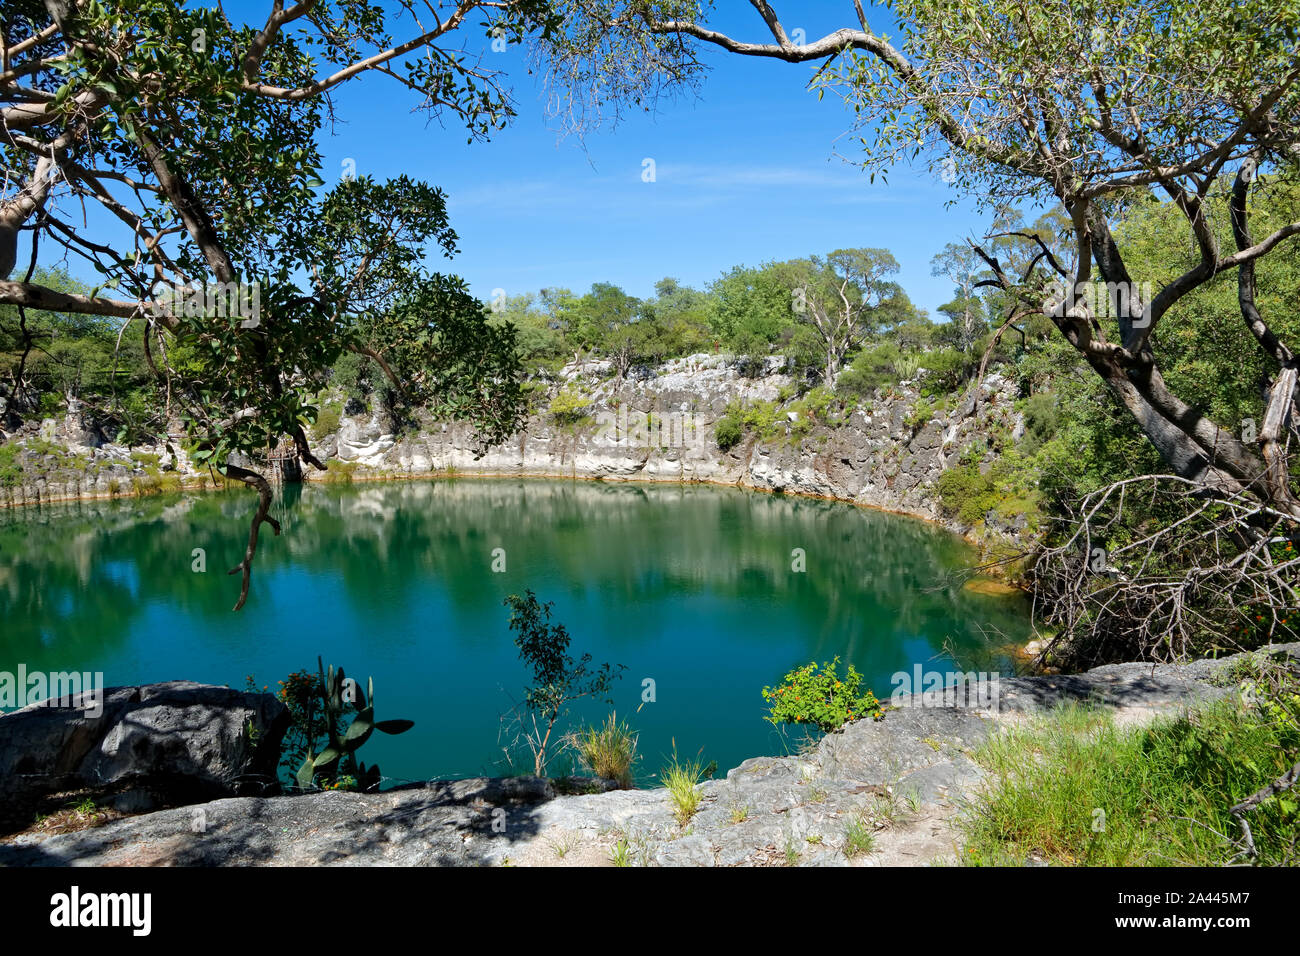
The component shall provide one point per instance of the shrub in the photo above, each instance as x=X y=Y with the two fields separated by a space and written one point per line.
x=316 y=749
x=569 y=407
x=340 y=471
x=947 y=368
x=609 y=750
x=810 y=695
x=728 y=431
x=872 y=368
x=919 y=414
x=966 y=493
x=1042 y=419
x=558 y=679
x=11 y=469
x=763 y=418
x=327 y=420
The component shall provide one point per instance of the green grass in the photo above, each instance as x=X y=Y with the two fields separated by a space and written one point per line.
x=858 y=837
x=682 y=780
x=86 y=806
x=1071 y=788
x=619 y=855
x=791 y=853
x=609 y=750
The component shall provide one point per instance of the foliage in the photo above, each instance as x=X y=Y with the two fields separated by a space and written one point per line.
x=336 y=766
x=137 y=92
x=558 y=680
x=728 y=431
x=11 y=470
x=570 y=407
x=1073 y=788
x=817 y=696
x=301 y=693
x=1006 y=486
x=327 y=420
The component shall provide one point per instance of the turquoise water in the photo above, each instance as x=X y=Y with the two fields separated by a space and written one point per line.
x=691 y=587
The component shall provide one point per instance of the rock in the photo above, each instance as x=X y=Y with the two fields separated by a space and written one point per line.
x=157 y=745
x=906 y=776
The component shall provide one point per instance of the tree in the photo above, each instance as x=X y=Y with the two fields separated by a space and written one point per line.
x=1092 y=104
x=844 y=298
x=601 y=322
x=558 y=680
x=120 y=107
x=751 y=308
x=962 y=266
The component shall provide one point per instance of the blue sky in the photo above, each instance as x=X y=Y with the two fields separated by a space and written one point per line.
x=744 y=173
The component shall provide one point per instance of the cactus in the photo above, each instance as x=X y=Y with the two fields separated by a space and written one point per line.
x=339 y=756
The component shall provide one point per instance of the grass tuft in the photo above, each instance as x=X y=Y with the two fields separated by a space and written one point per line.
x=682 y=780
x=609 y=750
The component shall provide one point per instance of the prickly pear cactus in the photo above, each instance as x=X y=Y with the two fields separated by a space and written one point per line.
x=338 y=759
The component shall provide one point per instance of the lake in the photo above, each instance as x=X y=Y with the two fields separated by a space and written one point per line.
x=690 y=587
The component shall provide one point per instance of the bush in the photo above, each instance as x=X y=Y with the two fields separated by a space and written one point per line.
x=1042 y=419
x=728 y=431
x=812 y=696
x=872 y=368
x=327 y=420
x=920 y=414
x=558 y=679
x=11 y=469
x=569 y=407
x=340 y=472
x=966 y=493
x=947 y=369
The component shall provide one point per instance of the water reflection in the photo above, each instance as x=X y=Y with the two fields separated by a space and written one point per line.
x=689 y=586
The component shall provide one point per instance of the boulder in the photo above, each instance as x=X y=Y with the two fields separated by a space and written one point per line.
x=157 y=745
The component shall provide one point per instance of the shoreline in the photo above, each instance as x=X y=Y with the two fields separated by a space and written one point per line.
x=457 y=474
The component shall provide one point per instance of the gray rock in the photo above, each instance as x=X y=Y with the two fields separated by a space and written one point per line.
x=170 y=743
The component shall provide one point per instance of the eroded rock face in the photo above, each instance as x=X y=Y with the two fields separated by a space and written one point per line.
x=153 y=746
x=654 y=425
x=660 y=427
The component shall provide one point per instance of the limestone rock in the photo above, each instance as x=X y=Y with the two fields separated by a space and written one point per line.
x=169 y=743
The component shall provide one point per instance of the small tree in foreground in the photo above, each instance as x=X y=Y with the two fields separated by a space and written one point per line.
x=558 y=680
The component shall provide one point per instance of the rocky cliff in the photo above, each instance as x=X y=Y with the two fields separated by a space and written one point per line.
x=660 y=425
